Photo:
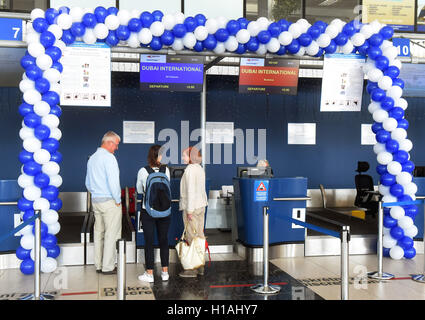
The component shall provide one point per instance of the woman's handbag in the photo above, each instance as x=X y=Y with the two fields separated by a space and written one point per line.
x=191 y=256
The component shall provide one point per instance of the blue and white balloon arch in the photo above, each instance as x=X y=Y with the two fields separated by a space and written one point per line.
x=53 y=29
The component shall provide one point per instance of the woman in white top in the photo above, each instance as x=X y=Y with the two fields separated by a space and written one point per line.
x=149 y=223
x=193 y=200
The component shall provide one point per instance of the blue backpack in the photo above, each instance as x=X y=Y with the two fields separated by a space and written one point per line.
x=158 y=193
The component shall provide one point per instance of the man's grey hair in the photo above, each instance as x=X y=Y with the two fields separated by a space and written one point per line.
x=110 y=136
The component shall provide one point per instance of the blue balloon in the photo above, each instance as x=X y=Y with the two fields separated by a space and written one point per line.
x=401 y=156
x=167 y=38
x=314 y=32
x=51 y=97
x=387 y=179
x=408 y=166
x=190 y=24
x=27 y=60
x=32 y=120
x=78 y=29
x=319 y=53
x=50 y=193
x=56 y=157
x=58 y=66
x=284 y=25
x=398 y=82
x=396 y=113
x=405 y=242
x=111 y=39
x=42 y=85
x=28 y=215
x=113 y=10
x=210 y=42
x=243 y=23
x=364 y=48
x=25 y=108
x=282 y=50
x=341 y=39
x=156 y=43
x=41 y=132
x=241 y=49
x=32 y=168
x=41 y=180
x=387 y=103
x=179 y=30
x=273 y=28
x=200 y=19
x=53 y=252
x=222 y=35
x=410 y=253
x=89 y=20
x=397 y=190
x=391 y=145
x=40 y=25
x=25 y=204
x=404 y=198
x=371 y=86
x=376 y=126
x=374 y=52
x=386 y=32
x=376 y=40
x=68 y=37
x=349 y=29
x=293 y=47
x=233 y=27
x=321 y=25
x=25 y=156
x=157 y=15
x=51 y=15
x=56 y=110
x=198 y=47
x=389 y=222
x=381 y=169
x=135 y=25
x=264 y=36
x=123 y=33
x=305 y=39
x=101 y=13
x=43 y=230
x=382 y=62
x=22 y=253
x=392 y=72
x=54 y=52
x=397 y=232
x=50 y=144
x=411 y=210
x=382 y=136
x=386 y=252
x=331 y=48
x=33 y=72
x=378 y=94
x=64 y=9
x=27 y=266
x=403 y=123
x=49 y=241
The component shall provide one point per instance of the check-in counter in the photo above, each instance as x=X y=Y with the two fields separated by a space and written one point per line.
x=249 y=202
x=419 y=220
x=10 y=192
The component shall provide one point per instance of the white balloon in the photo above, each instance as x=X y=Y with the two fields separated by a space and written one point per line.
x=48 y=265
x=273 y=45
x=399 y=134
x=37 y=13
x=380 y=115
x=36 y=49
x=376 y=26
x=49 y=216
x=390 y=124
x=295 y=30
x=157 y=28
x=201 y=33
x=332 y=30
x=64 y=21
x=179 y=17
x=211 y=25
x=56 y=181
x=32 y=96
x=189 y=40
x=263 y=23
x=220 y=48
x=133 y=41
x=76 y=13
x=411 y=232
x=145 y=35
x=123 y=16
x=52 y=74
x=26 y=84
x=56 y=30
x=386 y=231
x=232 y=44
x=54 y=228
x=395 y=92
x=50 y=168
x=32 y=144
x=388 y=241
x=89 y=37
x=369 y=65
x=32 y=193
x=358 y=39
x=391 y=53
x=33 y=37
x=301 y=52
x=112 y=22
x=396 y=63
x=43 y=254
x=402 y=103
x=285 y=38
x=410 y=188
x=242 y=36
x=394 y=168
x=367 y=31
x=312 y=49
x=26 y=230
x=222 y=22
x=42 y=156
x=169 y=21
x=405 y=145
x=385 y=83
x=101 y=31
x=253 y=28
x=26 y=133
x=41 y=204
x=384 y=158
x=41 y=108
x=385 y=44
x=323 y=40
x=135 y=13
x=397 y=212
x=56 y=87
x=404 y=178
x=375 y=75
x=379 y=147
x=178 y=44
x=27 y=241
x=396 y=252
x=348 y=47
x=373 y=106
x=304 y=25
x=384 y=190
x=50 y=120
x=262 y=49
x=25 y=180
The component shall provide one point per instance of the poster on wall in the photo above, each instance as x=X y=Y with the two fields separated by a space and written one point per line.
x=420 y=16
x=342 y=82
x=271 y=76
x=301 y=133
x=219 y=132
x=398 y=14
x=138 y=132
x=171 y=73
x=368 y=137
x=86 y=76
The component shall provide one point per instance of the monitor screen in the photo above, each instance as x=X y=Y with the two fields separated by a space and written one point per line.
x=252 y=172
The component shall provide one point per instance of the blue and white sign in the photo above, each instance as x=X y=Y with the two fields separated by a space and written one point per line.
x=10 y=29
x=403 y=46
x=261 y=190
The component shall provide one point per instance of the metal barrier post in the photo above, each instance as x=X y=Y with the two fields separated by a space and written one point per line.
x=345 y=238
x=265 y=288
x=121 y=269
x=380 y=275
x=37 y=260
x=421 y=277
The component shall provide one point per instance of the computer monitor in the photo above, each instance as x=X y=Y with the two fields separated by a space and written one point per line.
x=252 y=172
x=419 y=172
x=176 y=171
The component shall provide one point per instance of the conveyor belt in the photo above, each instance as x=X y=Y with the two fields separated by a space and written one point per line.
x=73 y=226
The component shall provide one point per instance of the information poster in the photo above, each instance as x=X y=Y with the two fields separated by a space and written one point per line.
x=272 y=76
x=301 y=133
x=399 y=14
x=413 y=75
x=219 y=132
x=138 y=132
x=420 y=22
x=171 y=73
x=368 y=137
x=86 y=76
x=342 y=83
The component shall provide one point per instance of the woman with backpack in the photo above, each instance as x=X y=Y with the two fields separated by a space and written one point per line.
x=193 y=200
x=155 y=198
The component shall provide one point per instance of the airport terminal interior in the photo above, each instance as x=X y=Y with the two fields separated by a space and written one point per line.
x=308 y=115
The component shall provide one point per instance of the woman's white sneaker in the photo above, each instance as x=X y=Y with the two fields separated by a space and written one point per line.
x=165 y=276
x=146 y=277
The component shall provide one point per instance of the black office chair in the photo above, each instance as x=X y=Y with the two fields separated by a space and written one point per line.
x=364 y=183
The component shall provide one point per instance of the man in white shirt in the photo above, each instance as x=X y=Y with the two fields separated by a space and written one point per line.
x=102 y=181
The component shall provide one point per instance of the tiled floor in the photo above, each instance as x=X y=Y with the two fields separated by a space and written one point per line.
x=229 y=278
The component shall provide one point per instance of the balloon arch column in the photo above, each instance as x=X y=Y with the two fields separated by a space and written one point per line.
x=53 y=29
